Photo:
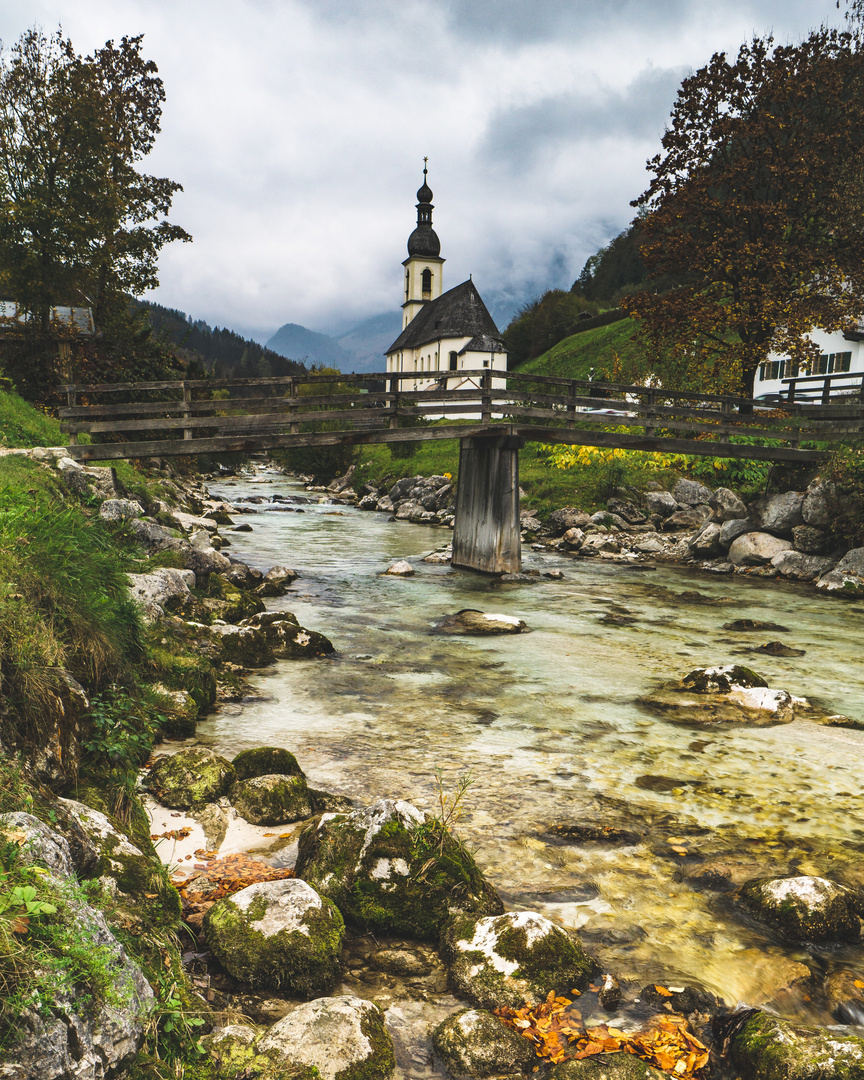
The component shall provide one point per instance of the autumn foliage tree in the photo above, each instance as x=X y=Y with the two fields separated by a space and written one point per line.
x=755 y=213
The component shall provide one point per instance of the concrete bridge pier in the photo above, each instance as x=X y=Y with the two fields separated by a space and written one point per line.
x=486 y=533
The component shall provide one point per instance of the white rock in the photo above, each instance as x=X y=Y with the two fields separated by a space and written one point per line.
x=756 y=549
x=402 y=568
x=155 y=589
x=327 y=1033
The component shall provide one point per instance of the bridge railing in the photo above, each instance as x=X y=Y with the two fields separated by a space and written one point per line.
x=211 y=415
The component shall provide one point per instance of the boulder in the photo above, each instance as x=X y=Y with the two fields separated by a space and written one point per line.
x=89 y=479
x=246 y=646
x=573 y=539
x=478 y=623
x=689 y=518
x=344 y=1038
x=720 y=680
x=847 y=577
x=190 y=778
x=706 y=542
x=512 y=959
x=280 y=935
x=691 y=493
x=727 y=506
x=390 y=870
x=272 y=799
x=777 y=514
x=764 y=1047
x=160 y=588
x=287 y=639
x=233 y=1053
x=818 y=502
x=568 y=517
x=401 y=568
x=810 y=540
x=731 y=530
x=120 y=510
x=660 y=502
x=804 y=908
x=609 y=520
x=844 y=997
x=801 y=567
x=474 y=1043
x=265 y=760
x=756 y=549
x=368 y=502
x=385 y=503
x=626 y=509
x=37 y=842
x=279 y=577
x=82 y=1035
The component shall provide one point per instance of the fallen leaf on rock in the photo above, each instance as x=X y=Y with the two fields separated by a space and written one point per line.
x=202 y=853
x=172 y=834
x=662 y=990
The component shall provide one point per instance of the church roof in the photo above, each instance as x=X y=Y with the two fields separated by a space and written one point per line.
x=457 y=313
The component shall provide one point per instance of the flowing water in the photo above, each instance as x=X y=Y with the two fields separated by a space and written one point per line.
x=551 y=728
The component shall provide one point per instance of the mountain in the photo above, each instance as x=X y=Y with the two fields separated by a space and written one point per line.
x=366 y=342
x=308 y=347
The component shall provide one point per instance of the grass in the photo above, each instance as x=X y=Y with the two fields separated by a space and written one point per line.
x=23 y=425
x=575 y=356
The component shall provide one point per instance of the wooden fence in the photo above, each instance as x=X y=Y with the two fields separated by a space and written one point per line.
x=157 y=419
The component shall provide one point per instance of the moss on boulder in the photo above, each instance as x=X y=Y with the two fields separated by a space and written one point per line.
x=764 y=1047
x=190 y=778
x=278 y=934
x=232 y=1055
x=804 y=908
x=344 y=1038
x=474 y=1043
x=389 y=870
x=264 y=760
x=272 y=800
x=512 y=959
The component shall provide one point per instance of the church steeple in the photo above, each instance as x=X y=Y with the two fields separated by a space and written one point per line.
x=423 y=267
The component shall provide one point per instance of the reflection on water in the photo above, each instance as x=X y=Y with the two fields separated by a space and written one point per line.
x=549 y=725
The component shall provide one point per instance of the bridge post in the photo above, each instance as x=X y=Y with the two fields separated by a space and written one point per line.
x=486 y=533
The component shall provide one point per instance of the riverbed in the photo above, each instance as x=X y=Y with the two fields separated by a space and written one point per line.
x=552 y=731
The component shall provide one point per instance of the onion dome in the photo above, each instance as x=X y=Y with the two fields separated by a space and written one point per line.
x=424 y=241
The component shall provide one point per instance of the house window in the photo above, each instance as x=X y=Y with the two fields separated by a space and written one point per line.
x=454 y=361
x=427 y=283
x=485 y=363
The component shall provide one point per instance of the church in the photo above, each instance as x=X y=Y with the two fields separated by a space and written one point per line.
x=443 y=333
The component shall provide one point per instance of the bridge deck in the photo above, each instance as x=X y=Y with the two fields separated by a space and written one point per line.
x=212 y=416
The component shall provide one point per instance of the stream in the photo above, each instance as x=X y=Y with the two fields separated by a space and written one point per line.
x=550 y=727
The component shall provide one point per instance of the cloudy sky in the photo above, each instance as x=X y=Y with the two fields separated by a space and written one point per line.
x=298 y=130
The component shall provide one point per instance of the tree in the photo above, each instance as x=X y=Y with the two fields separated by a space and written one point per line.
x=80 y=225
x=756 y=211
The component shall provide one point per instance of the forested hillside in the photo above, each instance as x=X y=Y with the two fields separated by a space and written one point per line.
x=218 y=350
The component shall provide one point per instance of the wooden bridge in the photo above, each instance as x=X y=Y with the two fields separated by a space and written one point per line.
x=492 y=413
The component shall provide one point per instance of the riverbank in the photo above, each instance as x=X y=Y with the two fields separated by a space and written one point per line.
x=559 y=748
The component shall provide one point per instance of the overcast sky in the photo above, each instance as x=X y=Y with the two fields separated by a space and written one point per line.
x=298 y=130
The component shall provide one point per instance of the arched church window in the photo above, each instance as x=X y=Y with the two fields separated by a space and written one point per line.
x=454 y=361
x=427 y=283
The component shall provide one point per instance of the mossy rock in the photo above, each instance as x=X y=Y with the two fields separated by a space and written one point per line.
x=136 y=821
x=344 y=1038
x=474 y=1043
x=243 y=645
x=272 y=800
x=618 y=1066
x=280 y=935
x=232 y=1055
x=190 y=778
x=390 y=871
x=512 y=959
x=764 y=1047
x=804 y=908
x=264 y=760
x=720 y=680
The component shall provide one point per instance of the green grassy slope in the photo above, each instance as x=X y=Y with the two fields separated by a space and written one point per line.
x=23 y=425
x=574 y=357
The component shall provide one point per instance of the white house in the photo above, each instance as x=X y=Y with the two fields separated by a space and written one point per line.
x=443 y=333
x=840 y=352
